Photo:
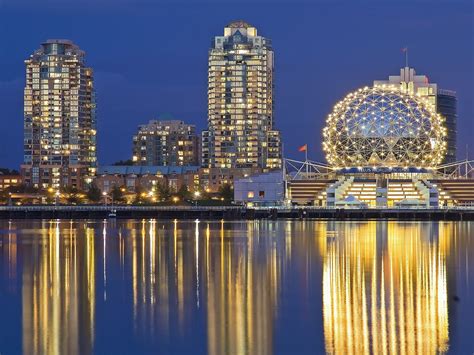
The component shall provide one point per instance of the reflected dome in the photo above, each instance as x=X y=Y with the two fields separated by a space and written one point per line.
x=382 y=126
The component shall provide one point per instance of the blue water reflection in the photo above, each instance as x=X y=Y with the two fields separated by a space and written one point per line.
x=220 y=287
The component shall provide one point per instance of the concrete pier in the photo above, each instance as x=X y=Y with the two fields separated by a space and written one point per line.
x=232 y=213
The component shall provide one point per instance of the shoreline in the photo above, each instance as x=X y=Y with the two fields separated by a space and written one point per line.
x=232 y=213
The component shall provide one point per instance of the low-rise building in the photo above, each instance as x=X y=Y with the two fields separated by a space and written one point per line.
x=166 y=143
x=7 y=181
x=145 y=178
x=214 y=178
x=266 y=189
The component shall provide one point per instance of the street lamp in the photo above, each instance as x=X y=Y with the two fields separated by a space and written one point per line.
x=175 y=199
x=197 y=194
x=105 y=198
x=56 y=197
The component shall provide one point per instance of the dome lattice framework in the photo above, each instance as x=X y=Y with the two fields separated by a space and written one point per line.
x=383 y=127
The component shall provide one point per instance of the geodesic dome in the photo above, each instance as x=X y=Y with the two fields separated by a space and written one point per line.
x=383 y=127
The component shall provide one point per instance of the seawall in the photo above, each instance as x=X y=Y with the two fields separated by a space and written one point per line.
x=231 y=213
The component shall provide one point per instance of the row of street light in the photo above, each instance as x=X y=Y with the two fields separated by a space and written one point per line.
x=106 y=196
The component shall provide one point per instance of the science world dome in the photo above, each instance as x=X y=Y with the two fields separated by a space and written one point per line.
x=384 y=127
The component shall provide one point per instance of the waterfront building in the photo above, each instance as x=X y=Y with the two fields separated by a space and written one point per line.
x=445 y=102
x=147 y=178
x=59 y=117
x=9 y=180
x=385 y=146
x=166 y=143
x=241 y=128
x=260 y=190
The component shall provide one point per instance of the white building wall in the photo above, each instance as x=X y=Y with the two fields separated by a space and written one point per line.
x=266 y=188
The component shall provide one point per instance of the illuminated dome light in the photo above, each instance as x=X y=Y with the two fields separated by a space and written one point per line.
x=384 y=127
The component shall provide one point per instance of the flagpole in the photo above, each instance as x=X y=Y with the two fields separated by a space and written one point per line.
x=406 y=57
x=306 y=158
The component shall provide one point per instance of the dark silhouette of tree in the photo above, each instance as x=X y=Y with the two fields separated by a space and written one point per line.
x=94 y=194
x=226 y=191
x=183 y=193
x=139 y=198
x=73 y=195
x=123 y=163
x=164 y=193
x=117 y=194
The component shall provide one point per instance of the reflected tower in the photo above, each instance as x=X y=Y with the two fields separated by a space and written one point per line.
x=59 y=292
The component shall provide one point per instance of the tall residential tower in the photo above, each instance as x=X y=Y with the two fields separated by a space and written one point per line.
x=241 y=131
x=59 y=117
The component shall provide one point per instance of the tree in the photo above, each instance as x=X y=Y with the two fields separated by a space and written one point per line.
x=183 y=193
x=164 y=193
x=226 y=191
x=128 y=162
x=7 y=171
x=139 y=198
x=94 y=194
x=73 y=195
x=117 y=194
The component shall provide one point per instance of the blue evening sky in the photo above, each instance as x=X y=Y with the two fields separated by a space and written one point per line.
x=150 y=58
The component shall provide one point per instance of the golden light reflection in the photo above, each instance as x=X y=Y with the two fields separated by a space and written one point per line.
x=385 y=289
x=242 y=291
x=384 y=284
x=58 y=293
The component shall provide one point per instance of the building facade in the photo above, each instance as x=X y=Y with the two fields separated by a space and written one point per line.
x=146 y=178
x=166 y=143
x=241 y=129
x=261 y=190
x=59 y=117
x=7 y=181
x=445 y=102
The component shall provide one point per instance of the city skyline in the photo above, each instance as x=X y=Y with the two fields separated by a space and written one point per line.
x=185 y=95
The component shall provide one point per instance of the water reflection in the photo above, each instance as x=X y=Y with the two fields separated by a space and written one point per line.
x=234 y=287
x=385 y=289
x=58 y=290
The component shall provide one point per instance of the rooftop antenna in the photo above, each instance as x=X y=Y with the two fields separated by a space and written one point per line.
x=405 y=50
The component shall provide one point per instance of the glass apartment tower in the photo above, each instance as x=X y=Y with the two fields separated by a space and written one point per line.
x=59 y=117
x=241 y=131
x=166 y=143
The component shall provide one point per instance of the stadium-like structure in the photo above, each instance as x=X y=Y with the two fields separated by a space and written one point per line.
x=384 y=148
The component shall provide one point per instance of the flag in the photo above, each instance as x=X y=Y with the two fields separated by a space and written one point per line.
x=404 y=49
x=303 y=148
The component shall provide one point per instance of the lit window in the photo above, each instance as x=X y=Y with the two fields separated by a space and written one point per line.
x=250 y=194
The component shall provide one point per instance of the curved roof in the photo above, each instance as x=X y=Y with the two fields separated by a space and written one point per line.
x=239 y=24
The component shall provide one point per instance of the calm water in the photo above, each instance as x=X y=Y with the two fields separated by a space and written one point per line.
x=257 y=287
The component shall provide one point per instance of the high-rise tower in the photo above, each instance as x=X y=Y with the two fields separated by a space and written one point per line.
x=59 y=117
x=241 y=131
